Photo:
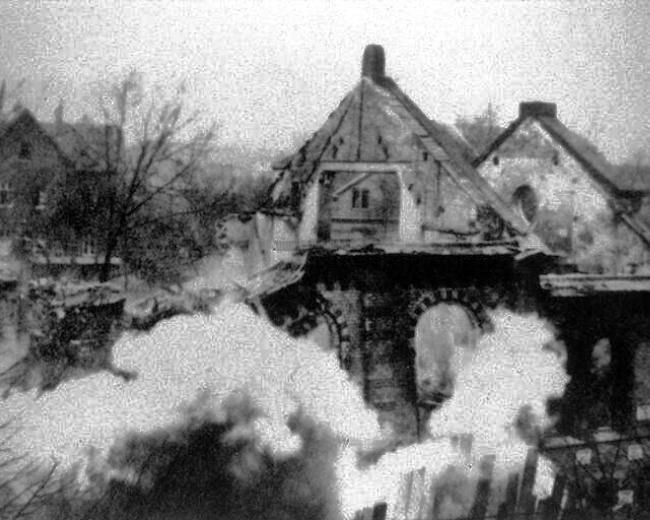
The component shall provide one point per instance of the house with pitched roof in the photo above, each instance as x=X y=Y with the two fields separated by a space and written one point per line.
x=35 y=158
x=388 y=242
x=567 y=193
x=379 y=172
x=382 y=205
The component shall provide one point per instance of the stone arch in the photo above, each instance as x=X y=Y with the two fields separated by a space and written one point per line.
x=335 y=318
x=302 y=312
x=445 y=328
x=467 y=298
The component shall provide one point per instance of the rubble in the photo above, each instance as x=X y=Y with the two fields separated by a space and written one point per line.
x=70 y=328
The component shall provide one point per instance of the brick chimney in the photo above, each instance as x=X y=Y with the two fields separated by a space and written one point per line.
x=537 y=109
x=374 y=62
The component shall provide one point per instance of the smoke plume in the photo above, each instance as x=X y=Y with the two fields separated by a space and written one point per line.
x=230 y=417
x=265 y=400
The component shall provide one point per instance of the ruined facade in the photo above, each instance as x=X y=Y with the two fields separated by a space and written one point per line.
x=567 y=192
x=388 y=245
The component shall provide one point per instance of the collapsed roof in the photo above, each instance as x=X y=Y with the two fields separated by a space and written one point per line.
x=378 y=122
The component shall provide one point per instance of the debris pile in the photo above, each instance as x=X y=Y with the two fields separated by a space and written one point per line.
x=69 y=327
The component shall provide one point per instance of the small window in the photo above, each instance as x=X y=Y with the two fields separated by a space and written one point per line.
x=39 y=246
x=6 y=194
x=25 y=150
x=425 y=156
x=56 y=250
x=495 y=160
x=360 y=198
x=38 y=199
x=88 y=247
x=525 y=201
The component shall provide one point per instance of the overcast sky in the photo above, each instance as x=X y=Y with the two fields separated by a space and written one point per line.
x=270 y=70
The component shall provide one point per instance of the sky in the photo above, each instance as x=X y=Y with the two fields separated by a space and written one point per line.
x=272 y=71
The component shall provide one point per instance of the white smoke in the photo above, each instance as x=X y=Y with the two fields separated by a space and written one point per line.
x=208 y=359
x=229 y=351
x=514 y=369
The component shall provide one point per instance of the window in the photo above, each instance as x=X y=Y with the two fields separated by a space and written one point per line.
x=39 y=199
x=39 y=246
x=56 y=250
x=360 y=198
x=525 y=202
x=88 y=247
x=6 y=194
x=25 y=150
x=495 y=160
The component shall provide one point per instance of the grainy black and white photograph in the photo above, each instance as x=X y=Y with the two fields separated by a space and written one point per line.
x=327 y=260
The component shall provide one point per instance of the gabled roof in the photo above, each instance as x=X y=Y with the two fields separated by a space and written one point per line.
x=584 y=152
x=80 y=145
x=378 y=122
x=25 y=117
x=83 y=142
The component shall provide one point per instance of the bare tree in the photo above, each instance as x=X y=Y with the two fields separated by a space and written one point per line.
x=142 y=157
x=480 y=131
x=26 y=486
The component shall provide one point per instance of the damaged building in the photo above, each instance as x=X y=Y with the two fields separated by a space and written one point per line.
x=389 y=242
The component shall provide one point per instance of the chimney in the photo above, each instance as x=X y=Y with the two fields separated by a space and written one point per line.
x=374 y=62
x=58 y=117
x=537 y=109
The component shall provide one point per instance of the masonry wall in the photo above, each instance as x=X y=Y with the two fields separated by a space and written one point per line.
x=377 y=302
x=573 y=216
x=372 y=305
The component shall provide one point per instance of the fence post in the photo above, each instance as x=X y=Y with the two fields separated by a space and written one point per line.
x=479 y=508
x=507 y=508
x=526 y=505
x=379 y=511
x=553 y=505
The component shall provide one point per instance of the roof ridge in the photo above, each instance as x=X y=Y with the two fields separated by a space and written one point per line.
x=592 y=168
x=615 y=192
x=27 y=114
x=464 y=168
x=510 y=129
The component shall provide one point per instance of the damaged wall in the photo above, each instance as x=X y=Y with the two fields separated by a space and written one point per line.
x=565 y=207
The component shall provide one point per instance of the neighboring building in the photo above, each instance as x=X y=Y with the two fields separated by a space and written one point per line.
x=384 y=243
x=567 y=192
x=36 y=158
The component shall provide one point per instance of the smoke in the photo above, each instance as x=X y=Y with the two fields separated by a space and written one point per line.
x=499 y=406
x=505 y=387
x=242 y=381
x=230 y=417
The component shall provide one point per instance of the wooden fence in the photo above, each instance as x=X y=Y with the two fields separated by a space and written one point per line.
x=606 y=476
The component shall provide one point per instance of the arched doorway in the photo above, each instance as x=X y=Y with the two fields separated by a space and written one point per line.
x=446 y=335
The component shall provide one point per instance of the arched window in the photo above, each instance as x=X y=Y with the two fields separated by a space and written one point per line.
x=445 y=339
x=525 y=202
